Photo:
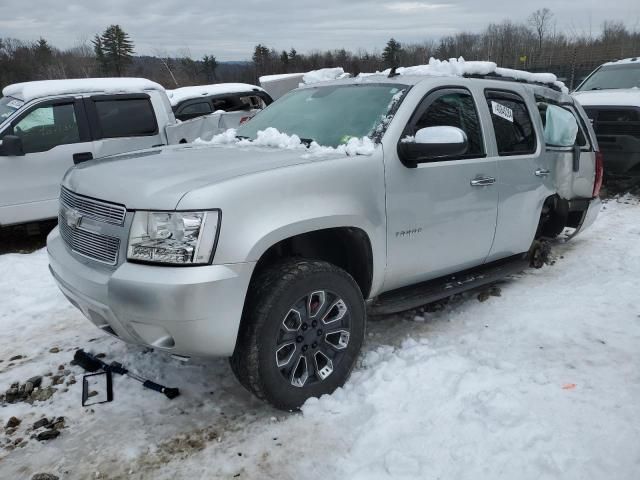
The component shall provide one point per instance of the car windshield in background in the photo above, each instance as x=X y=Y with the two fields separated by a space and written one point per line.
x=330 y=115
x=613 y=77
x=8 y=105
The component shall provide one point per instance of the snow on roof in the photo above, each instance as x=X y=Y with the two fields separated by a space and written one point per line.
x=44 y=88
x=308 y=78
x=460 y=67
x=281 y=76
x=185 y=93
x=324 y=75
x=624 y=60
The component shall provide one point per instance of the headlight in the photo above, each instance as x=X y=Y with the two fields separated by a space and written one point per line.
x=179 y=238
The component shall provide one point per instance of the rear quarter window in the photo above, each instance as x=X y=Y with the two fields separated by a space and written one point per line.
x=201 y=108
x=582 y=137
x=126 y=117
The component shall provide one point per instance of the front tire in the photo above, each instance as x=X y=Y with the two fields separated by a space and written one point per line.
x=302 y=330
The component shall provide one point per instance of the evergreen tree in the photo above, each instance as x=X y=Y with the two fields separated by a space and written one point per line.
x=209 y=66
x=294 y=58
x=97 y=49
x=114 y=50
x=42 y=49
x=261 y=57
x=391 y=53
x=284 y=58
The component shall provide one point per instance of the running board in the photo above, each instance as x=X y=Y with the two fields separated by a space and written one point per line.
x=414 y=296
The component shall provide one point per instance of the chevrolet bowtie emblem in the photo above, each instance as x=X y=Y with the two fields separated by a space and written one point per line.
x=73 y=217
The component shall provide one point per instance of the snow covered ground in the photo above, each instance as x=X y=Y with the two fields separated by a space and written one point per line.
x=542 y=382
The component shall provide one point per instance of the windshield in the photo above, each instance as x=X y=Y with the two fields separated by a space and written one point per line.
x=8 y=105
x=330 y=115
x=613 y=76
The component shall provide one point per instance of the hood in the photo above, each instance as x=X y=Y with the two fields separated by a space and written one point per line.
x=628 y=97
x=159 y=178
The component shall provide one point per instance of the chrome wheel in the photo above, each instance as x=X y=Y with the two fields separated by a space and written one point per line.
x=312 y=338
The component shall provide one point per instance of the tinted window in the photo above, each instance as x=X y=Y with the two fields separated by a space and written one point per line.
x=46 y=127
x=126 y=118
x=201 y=108
x=455 y=110
x=514 y=130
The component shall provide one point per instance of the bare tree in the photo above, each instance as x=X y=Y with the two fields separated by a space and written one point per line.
x=540 y=21
x=165 y=59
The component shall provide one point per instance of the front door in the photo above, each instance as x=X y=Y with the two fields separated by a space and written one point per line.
x=441 y=215
x=52 y=133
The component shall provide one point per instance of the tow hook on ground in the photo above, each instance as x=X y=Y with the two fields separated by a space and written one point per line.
x=92 y=385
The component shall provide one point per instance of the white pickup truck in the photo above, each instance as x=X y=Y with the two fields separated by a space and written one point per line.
x=48 y=126
x=611 y=97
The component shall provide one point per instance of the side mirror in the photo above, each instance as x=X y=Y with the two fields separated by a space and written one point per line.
x=12 y=146
x=432 y=143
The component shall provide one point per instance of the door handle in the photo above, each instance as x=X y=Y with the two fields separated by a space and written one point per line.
x=482 y=181
x=542 y=172
x=82 y=157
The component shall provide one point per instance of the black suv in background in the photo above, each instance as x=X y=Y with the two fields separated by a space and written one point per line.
x=192 y=102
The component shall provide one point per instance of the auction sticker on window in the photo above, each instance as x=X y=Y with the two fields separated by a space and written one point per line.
x=502 y=111
x=15 y=104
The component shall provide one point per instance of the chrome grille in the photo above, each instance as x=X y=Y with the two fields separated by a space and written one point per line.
x=91 y=228
x=92 y=245
x=95 y=209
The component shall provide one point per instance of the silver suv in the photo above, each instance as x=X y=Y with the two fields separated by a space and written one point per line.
x=274 y=256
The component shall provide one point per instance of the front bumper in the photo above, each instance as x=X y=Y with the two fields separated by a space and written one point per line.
x=191 y=311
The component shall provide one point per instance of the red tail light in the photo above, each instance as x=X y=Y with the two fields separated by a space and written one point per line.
x=597 y=183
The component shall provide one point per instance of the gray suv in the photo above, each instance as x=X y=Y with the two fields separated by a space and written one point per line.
x=275 y=256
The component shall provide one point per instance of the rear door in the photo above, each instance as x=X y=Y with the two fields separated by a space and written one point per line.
x=55 y=135
x=440 y=219
x=525 y=173
x=122 y=123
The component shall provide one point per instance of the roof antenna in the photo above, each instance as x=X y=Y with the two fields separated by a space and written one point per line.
x=393 y=73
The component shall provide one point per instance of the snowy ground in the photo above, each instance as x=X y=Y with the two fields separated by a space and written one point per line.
x=542 y=382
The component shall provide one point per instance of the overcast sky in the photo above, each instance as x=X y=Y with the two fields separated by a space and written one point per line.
x=230 y=29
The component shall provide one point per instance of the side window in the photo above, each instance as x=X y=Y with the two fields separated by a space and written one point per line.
x=133 y=117
x=223 y=103
x=47 y=127
x=515 y=134
x=546 y=108
x=254 y=102
x=455 y=109
x=201 y=108
x=581 y=139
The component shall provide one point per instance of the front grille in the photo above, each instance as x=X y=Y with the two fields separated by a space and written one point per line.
x=92 y=245
x=80 y=217
x=615 y=121
x=611 y=128
x=95 y=209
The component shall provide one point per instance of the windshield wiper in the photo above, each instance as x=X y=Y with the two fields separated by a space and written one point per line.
x=242 y=137
x=307 y=141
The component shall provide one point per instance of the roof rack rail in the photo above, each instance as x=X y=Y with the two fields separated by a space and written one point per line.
x=494 y=76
